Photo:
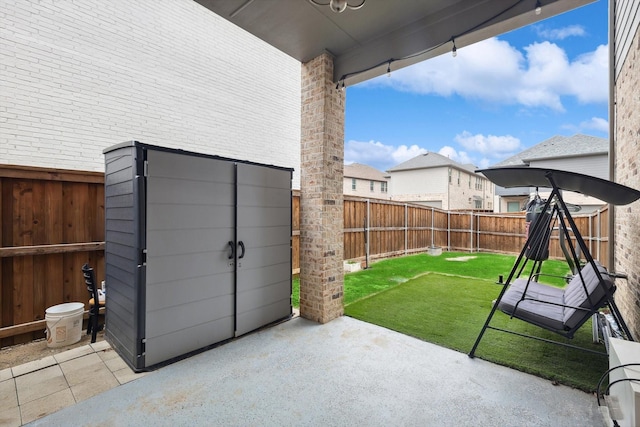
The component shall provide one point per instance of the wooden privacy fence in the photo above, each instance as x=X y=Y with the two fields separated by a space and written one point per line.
x=53 y=222
x=379 y=229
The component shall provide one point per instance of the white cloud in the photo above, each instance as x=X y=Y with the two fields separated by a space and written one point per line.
x=378 y=155
x=496 y=72
x=560 y=33
x=404 y=153
x=479 y=150
x=366 y=153
x=463 y=157
x=596 y=123
x=587 y=77
x=457 y=156
x=492 y=145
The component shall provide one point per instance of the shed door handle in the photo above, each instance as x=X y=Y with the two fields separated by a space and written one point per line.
x=241 y=243
x=232 y=247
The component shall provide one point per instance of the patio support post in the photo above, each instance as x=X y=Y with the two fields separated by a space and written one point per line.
x=321 y=201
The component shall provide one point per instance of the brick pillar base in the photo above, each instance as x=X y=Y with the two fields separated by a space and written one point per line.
x=321 y=199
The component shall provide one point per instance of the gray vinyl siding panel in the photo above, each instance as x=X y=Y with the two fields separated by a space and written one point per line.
x=597 y=166
x=201 y=335
x=121 y=255
x=190 y=218
x=627 y=20
x=264 y=226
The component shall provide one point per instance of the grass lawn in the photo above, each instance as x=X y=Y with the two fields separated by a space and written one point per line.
x=446 y=299
x=388 y=273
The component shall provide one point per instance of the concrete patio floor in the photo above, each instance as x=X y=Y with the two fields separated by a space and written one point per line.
x=344 y=373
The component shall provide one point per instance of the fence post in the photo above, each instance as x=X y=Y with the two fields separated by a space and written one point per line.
x=406 y=228
x=368 y=236
x=471 y=232
x=449 y=230
x=478 y=232
x=432 y=227
x=599 y=237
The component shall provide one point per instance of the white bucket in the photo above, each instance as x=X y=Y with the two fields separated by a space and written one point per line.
x=64 y=324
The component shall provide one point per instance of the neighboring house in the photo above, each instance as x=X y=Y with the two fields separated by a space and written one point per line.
x=365 y=181
x=434 y=180
x=588 y=155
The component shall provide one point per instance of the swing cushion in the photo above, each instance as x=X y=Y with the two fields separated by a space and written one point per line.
x=547 y=311
x=554 y=307
x=574 y=295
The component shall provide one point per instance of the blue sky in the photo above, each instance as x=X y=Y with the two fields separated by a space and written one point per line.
x=494 y=99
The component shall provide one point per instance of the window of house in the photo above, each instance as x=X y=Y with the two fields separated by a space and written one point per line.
x=478 y=183
x=383 y=187
x=469 y=181
x=458 y=178
x=449 y=175
x=371 y=186
x=478 y=204
x=353 y=183
x=513 y=206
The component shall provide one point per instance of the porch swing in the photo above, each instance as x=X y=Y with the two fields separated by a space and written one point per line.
x=590 y=287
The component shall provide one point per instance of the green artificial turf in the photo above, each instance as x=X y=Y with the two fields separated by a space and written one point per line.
x=446 y=299
x=391 y=272
x=450 y=311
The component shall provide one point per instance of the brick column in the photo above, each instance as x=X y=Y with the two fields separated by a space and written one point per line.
x=321 y=200
x=627 y=172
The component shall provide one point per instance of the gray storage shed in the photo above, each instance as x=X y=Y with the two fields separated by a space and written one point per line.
x=198 y=250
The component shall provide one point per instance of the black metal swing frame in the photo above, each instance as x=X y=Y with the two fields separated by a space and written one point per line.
x=557 y=210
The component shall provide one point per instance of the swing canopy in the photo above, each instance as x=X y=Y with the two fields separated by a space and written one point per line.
x=524 y=176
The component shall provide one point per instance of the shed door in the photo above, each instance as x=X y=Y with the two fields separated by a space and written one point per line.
x=189 y=276
x=264 y=229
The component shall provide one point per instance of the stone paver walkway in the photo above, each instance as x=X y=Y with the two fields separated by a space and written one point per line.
x=39 y=388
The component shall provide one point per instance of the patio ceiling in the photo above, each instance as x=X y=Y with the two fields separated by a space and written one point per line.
x=382 y=31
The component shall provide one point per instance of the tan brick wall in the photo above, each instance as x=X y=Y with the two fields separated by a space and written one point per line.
x=626 y=172
x=321 y=200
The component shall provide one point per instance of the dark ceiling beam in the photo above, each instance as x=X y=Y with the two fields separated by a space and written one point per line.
x=432 y=34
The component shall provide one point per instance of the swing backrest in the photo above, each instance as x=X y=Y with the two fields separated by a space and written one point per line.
x=596 y=294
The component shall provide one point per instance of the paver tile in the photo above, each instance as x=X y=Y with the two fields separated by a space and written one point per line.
x=5 y=374
x=8 y=395
x=100 y=382
x=10 y=417
x=36 y=385
x=126 y=374
x=33 y=366
x=100 y=345
x=83 y=368
x=73 y=353
x=115 y=364
x=46 y=405
x=108 y=354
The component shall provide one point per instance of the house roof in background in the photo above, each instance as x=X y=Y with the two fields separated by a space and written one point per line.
x=558 y=147
x=357 y=170
x=431 y=160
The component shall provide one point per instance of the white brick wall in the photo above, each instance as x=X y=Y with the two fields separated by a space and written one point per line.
x=79 y=76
